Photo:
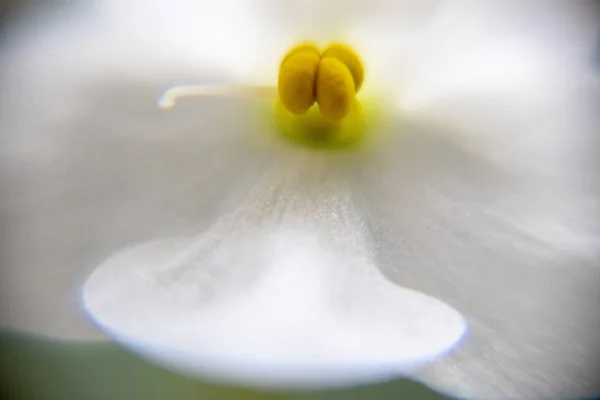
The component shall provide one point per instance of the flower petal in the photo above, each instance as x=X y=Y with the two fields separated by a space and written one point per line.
x=512 y=244
x=466 y=49
x=89 y=167
x=333 y=19
x=282 y=292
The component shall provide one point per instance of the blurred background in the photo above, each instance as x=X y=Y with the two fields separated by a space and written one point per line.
x=36 y=369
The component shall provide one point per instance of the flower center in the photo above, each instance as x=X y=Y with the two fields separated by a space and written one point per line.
x=316 y=97
x=317 y=91
x=331 y=78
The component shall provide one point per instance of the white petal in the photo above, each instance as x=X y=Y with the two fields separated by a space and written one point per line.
x=491 y=200
x=89 y=167
x=469 y=48
x=142 y=39
x=514 y=248
x=283 y=292
x=336 y=19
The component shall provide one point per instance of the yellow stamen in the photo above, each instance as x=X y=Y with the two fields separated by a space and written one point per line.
x=350 y=59
x=297 y=75
x=335 y=89
x=301 y=48
x=332 y=79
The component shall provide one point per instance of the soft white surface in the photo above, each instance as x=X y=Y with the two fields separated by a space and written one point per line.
x=499 y=218
x=272 y=295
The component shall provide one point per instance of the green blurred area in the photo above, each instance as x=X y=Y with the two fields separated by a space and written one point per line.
x=36 y=369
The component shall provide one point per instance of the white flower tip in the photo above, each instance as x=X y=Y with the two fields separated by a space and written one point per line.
x=170 y=96
x=166 y=103
x=295 y=318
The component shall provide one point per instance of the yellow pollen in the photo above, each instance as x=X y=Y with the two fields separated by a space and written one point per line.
x=297 y=74
x=332 y=79
x=335 y=89
x=350 y=59
x=301 y=48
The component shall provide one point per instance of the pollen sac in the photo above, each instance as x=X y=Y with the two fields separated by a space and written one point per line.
x=350 y=59
x=335 y=89
x=301 y=48
x=297 y=76
x=332 y=79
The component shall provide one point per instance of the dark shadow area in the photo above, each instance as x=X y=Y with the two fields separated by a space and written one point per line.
x=37 y=369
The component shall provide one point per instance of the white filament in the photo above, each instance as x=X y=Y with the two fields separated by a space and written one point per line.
x=172 y=95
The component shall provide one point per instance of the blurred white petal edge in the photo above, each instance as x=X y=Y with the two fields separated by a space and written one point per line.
x=280 y=292
x=304 y=320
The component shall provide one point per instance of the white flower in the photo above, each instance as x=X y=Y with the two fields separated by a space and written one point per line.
x=481 y=193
